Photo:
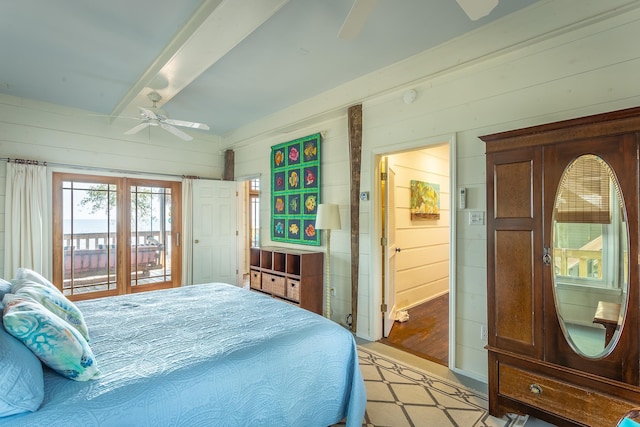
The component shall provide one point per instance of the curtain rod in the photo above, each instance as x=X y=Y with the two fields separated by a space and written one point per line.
x=95 y=168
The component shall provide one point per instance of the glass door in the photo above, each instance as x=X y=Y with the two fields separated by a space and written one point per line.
x=115 y=235
x=152 y=221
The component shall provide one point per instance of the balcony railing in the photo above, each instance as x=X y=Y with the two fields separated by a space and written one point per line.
x=90 y=259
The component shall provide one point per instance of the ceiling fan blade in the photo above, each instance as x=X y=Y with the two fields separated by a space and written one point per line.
x=476 y=9
x=177 y=132
x=356 y=18
x=137 y=128
x=186 y=124
x=148 y=113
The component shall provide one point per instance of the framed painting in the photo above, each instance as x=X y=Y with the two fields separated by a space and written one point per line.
x=295 y=188
x=425 y=200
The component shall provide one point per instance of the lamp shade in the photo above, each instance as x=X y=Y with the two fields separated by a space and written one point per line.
x=328 y=217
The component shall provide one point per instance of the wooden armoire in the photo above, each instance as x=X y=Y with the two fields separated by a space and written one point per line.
x=562 y=283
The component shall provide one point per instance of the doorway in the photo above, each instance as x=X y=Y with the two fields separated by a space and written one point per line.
x=249 y=223
x=115 y=235
x=416 y=221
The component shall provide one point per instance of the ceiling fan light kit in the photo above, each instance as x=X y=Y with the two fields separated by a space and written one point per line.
x=476 y=9
x=154 y=116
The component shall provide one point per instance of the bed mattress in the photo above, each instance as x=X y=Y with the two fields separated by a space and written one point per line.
x=207 y=355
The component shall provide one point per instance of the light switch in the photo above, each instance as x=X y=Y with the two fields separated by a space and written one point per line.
x=476 y=218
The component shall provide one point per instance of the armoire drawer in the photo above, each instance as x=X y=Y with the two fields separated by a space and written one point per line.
x=559 y=398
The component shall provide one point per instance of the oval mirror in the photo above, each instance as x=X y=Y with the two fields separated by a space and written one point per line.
x=590 y=256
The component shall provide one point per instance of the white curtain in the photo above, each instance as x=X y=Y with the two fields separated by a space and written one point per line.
x=187 y=231
x=26 y=223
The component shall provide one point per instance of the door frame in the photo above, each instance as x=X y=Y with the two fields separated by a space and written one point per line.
x=375 y=282
x=388 y=248
x=243 y=225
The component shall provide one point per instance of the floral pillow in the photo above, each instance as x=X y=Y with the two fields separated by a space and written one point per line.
x=21 y=382
x=52 y=299
x=58 y=344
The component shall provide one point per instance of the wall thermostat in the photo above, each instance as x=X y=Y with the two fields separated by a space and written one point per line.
x=462 y=199
x=364 y=195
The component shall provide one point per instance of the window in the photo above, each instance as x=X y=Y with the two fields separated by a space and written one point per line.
x=254 y=212
x=590 y=237
x=114 y=235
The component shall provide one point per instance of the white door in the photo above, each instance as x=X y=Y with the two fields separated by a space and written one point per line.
x=390 y=250
x=215 y=237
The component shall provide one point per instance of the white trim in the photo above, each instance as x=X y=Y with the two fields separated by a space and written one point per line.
x=453 y=264
x=248 y=177
x=420 y=302
x=375 y=284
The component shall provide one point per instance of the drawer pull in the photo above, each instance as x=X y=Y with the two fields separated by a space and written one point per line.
x=535 y=389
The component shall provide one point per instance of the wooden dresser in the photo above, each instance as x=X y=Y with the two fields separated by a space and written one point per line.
x=539 y=297
x=292 y=275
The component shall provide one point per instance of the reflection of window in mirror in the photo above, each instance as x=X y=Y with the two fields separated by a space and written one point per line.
x=590 y=251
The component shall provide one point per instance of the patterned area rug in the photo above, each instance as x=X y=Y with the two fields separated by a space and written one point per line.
x=399 y=395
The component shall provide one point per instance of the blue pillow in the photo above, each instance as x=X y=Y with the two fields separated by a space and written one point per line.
x=21 y=383
x=5 y=288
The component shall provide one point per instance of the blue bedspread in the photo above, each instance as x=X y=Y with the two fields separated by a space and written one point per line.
x=207 y=355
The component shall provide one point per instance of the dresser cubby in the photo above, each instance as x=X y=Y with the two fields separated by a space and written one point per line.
x=295 y=276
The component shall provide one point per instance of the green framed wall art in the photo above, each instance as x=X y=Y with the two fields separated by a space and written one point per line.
x=295 y=190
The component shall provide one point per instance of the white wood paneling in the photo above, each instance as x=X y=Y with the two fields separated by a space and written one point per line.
x=45 y=132
x=575 y=70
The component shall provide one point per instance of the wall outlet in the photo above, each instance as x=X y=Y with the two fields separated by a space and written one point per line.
x=484 y=333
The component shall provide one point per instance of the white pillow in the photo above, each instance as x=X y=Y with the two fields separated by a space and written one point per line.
x=28 y=282
x=24 y=275
x=54 y=301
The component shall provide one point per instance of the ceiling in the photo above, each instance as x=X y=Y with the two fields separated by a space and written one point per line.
x=226 y=63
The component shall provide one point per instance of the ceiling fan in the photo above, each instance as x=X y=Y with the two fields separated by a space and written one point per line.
x=357 y=17
x=154 y=116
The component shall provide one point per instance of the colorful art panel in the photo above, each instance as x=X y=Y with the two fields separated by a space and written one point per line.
x=295 y=184
x=294 y=204
x=277 y=228
x=310 y=177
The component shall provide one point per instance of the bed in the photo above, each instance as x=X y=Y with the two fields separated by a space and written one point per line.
x=206 y=355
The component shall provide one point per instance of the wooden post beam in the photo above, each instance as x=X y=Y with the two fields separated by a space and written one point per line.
x=355 y=150
x=229 y=165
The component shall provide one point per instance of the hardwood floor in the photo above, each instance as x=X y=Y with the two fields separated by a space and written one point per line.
x=426 y=333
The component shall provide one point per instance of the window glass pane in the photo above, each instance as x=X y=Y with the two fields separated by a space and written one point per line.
x=578 y=250
x=150 y=235
x=89 y=238
x=254 y=212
